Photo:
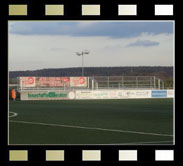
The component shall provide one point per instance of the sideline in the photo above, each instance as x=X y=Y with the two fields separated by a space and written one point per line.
x=92 y=128
x=142 y=143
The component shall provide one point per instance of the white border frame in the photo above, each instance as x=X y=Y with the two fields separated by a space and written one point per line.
x=97 y=21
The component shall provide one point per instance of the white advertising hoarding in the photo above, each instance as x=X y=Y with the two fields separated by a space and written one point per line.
x=170 y=93
x=113 y=94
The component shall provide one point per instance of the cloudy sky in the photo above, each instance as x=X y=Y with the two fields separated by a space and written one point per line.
x=53 y=44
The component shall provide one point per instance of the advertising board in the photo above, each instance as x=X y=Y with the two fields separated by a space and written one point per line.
x=95 y=94
x=27 y=82
x=78 y=81
x=84 y=94
x=137 y=93
x=113 y=94
x=170 y=93
x=159 y=93
x=43 y=95
x=51 y=82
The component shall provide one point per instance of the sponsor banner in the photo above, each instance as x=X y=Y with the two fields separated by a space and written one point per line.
x=143 y=93
x=27 y=82
x=101 y=94
x=43 y=95
x=126 y=94
x=51 y=82
x=113 y=94
x=78 y=81
x=95 y=94
x=170 y=93
x=135 y=93
x=159 y=93
x=84 y=95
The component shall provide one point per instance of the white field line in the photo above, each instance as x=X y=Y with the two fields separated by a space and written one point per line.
x=141 y=143
x=13 y=114
x=92 y=128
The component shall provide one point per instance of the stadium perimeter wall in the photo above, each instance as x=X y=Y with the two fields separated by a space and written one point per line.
x=94 y=94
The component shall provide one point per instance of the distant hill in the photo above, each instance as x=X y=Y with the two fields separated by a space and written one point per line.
x=163 y=73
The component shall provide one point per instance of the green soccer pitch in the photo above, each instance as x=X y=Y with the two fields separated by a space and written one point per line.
x=126 y=121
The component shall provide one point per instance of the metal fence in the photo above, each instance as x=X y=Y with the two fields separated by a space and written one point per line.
x=110 y=82
x=127 y=82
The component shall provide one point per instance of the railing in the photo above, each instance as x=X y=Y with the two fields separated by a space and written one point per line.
x=109 y=82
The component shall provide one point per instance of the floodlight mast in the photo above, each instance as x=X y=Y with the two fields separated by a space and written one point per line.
x=82 y=54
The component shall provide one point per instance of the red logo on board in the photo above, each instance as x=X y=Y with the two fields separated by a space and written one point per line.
x=82 y=80
x=30 y=80
x=65 y=79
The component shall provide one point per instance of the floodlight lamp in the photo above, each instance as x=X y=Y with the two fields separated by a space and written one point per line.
x=78 y=53
x=86 y=52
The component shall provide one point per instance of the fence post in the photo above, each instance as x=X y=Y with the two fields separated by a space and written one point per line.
x=122 y=81
x=92 y=83
x=88 y=82
x=159 y=84
x=17 y=84
x=163 y=85
x=154 y=82
x=136 y=81
x=108 y=82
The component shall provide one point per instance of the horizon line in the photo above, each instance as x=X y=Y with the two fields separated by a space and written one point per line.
x=85 y=68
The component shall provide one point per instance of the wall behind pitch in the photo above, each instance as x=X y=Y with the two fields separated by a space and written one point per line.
x=95 y=94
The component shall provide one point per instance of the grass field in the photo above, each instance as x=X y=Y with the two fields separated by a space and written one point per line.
x=133 y=121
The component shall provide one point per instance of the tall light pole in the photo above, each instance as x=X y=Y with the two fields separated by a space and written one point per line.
x=82 y=54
